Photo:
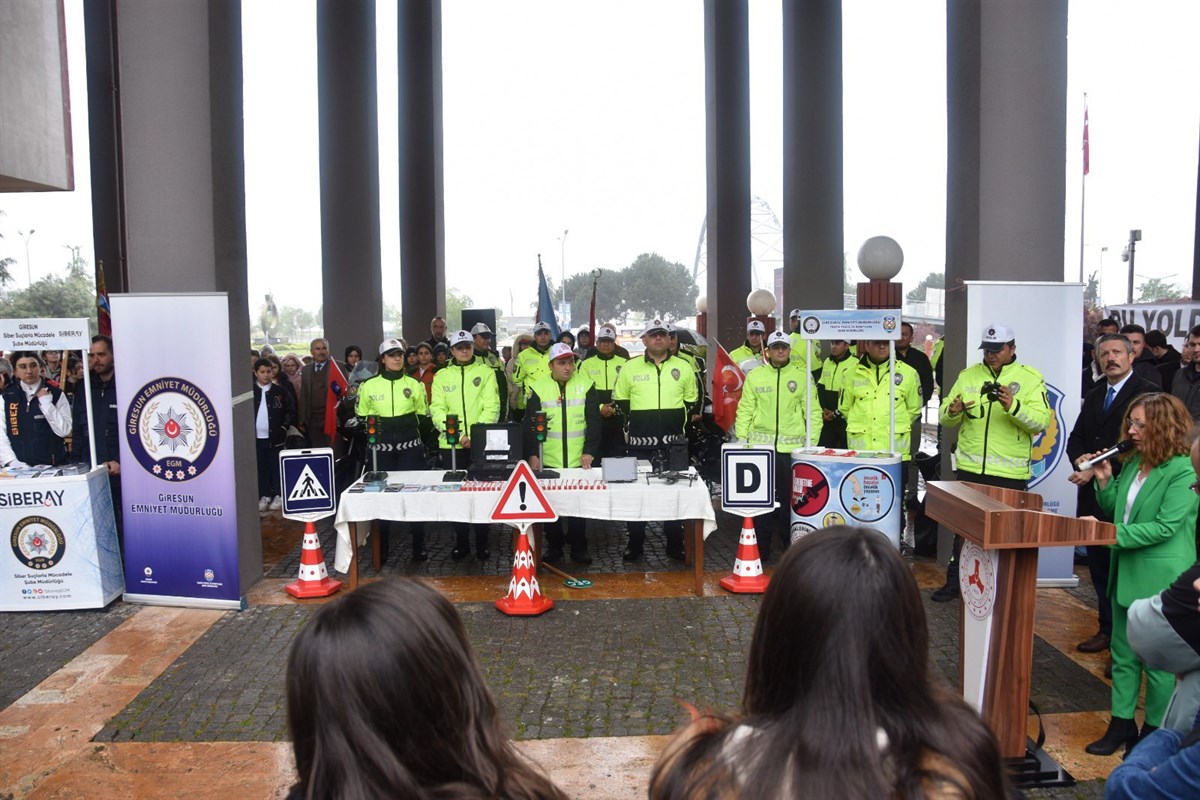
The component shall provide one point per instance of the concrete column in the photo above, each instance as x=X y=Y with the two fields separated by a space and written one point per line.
x=1006 y=85
x=182 y=167
x=349 y=154
x=813 y=229
x=422 y=214
x=727 y=160
x=104 y=136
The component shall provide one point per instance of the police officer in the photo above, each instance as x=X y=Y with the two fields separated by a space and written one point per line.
x=532 y=363
x=38 y=415
x=467 y=388
x=801 y=347
x=572 y=409
x=829 y=390
x=866 y=401
x=602 y=370
x=777 y=408
x=752 y=348
x=397 y=401
x=481 y=335
x=998 y=406
x=657 y=393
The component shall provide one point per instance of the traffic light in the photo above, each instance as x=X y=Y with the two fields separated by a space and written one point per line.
x=452 y=432
x=539 y=426
x=372 y=432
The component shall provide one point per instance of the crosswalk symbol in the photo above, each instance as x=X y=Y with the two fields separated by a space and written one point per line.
x=307 y=487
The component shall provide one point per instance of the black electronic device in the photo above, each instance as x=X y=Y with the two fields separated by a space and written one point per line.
x=495 y=450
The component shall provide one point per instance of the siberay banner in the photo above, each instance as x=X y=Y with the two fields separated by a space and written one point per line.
x=175 y=406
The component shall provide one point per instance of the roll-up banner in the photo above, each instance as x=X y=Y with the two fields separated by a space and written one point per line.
x=1048 y=342
x=175 y=405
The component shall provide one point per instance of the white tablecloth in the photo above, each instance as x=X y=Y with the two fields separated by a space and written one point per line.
x=652 y=502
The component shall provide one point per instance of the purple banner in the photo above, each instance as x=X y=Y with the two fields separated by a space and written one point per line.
x=177 y=470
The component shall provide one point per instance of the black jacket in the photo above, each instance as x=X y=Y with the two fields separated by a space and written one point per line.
x=103 y=420
x=1097 y=429
x=280 y=412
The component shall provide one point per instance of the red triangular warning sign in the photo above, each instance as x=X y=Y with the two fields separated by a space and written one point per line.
x=521 y=500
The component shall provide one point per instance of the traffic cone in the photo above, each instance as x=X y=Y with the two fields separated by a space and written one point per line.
x=314 y=580
x=747 y=577
x=524 y=598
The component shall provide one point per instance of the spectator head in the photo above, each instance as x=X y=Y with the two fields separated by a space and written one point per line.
x=906 y=336
x=353 y=355
x=264 y=371
x=566 y=337
x=411 y=357
x=1159 y=426
x=382 y=685
x=506 y=352
x=100 y=356
x=1136 y=335
x=267 y=350
x=424 y=354
x=27 y=366
x=584 y=337
x=276 y=364
x=437 y=327
x=291 y=364
x=1191 y=348
x=522 y=341
x=319 y=349
x=1114 y=355
x=441 y=353
x=51 y=358
x=1156 y=340
x=1107 y=325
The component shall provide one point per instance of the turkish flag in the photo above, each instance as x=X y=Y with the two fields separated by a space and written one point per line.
x=727 y=389
x=337 y=390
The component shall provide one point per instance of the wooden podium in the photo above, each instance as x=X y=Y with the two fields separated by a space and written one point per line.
x=1003 y=529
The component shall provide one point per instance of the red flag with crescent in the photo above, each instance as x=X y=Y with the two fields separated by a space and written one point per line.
x=727 y=389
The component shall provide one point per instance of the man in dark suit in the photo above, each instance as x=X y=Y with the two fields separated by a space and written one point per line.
x=314 y=388
x=1098 y=428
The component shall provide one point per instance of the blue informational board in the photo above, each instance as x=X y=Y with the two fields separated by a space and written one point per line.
x=844 y=487
x=307 y=476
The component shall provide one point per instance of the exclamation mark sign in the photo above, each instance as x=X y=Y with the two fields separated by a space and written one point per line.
x=521 y=489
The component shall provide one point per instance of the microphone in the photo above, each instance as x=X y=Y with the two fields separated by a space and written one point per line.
x=1119 y=447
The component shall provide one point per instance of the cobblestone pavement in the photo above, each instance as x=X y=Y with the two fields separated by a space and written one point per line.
x=33 y=646
x=594 y=668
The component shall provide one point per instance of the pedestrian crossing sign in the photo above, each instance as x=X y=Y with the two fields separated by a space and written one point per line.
x=307 y=477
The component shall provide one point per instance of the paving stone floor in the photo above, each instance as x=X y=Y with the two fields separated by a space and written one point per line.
x=33 y=646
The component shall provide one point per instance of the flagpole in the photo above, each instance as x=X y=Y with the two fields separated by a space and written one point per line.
x=1083 y=185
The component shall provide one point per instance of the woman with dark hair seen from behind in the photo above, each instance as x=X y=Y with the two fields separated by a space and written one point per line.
x=1154 y=510
x=386 y=700
x=838 y=700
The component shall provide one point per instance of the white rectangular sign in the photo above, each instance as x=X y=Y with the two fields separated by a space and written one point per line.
x=747 y=478
x=863 y=323
x=44 y=334
x=1173 y=319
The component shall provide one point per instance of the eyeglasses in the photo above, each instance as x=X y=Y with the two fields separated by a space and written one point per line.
x=1137 y=426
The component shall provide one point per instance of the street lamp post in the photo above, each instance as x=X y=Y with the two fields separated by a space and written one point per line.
x=1128 y=255
x=28 y=266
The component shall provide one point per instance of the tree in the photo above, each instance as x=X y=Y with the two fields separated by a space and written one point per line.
x=934 y=280
x=1154 y=290
x=610 y=304
x=456 y=301
x=65 y=296
x=659 y=288
x=5 y=273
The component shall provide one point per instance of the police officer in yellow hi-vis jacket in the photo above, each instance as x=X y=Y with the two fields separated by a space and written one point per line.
x=397 y=401
x=777 y=410
x=572 y=409
x=866 y=402
x=998 y=407
x=657 y=393
x=465 y=387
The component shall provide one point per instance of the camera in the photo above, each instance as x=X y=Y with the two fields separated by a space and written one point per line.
x=990 y=390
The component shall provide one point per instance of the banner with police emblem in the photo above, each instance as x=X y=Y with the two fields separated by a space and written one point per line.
x=175 y=404
x=1022 y=306
x=61 y=543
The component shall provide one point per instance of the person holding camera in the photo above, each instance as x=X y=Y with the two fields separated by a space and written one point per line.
x=656 y=393
x=998 y=406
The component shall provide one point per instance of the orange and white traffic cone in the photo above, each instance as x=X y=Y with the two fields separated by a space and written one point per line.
x=314 y=580
x=747 y=577
x=524 y=597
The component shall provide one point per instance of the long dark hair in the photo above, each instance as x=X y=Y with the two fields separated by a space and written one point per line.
x=840 y=653
x=386 y=700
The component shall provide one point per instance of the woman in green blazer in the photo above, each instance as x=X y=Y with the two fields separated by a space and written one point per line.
x=1155 y=512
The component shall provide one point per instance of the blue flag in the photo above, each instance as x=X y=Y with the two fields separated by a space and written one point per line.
x=545 y=312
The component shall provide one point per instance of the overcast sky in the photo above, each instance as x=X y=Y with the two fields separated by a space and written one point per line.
x=589 y=117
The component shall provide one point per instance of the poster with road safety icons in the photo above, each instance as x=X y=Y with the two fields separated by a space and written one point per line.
x=844 y=487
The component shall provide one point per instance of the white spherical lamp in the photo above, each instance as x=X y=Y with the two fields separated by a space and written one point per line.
x=760 y=303
x=880 y=258
x=702 y=304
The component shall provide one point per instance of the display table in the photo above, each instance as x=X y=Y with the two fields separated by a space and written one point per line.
x=844 y=487
x=578 y=493
x=62 y=548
